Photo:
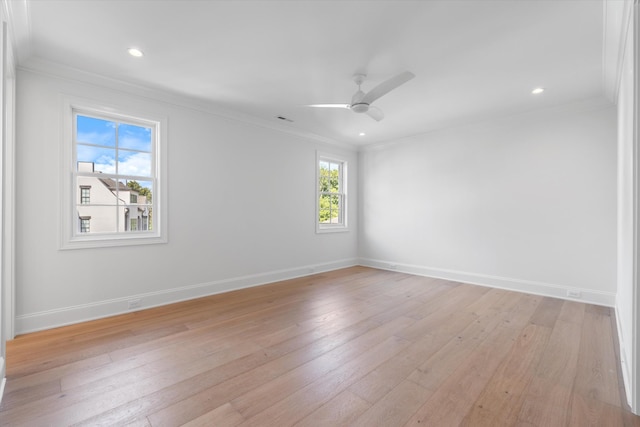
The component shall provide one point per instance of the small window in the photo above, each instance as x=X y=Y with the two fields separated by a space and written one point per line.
x=85 y=224
x=133 y=198
x=332 y=196
x=85 y=195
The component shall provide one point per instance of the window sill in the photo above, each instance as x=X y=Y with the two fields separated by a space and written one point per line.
x=323 y=230
x=112 y=241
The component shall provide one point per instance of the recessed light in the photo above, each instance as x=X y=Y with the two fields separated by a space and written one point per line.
x=537 y=91
x=134 y=51
x=362 y=134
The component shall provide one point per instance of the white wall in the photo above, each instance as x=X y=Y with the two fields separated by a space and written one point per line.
x=241 y=211
x=525 y=203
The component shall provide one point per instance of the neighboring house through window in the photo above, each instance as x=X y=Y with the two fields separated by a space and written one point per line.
x=332 y=195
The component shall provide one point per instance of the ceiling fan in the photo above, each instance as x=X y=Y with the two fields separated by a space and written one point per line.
x=361 y=102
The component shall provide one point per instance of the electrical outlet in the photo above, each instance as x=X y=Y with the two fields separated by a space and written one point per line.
x=574 y=294
x=135 y=303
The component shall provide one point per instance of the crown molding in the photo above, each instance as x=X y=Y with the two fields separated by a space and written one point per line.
x=56 y=70
x=18 y=17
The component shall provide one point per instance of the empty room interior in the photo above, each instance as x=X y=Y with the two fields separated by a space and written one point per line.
x=319 y=213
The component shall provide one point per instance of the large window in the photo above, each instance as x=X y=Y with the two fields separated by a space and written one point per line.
x=115 y=180
x=332 y=194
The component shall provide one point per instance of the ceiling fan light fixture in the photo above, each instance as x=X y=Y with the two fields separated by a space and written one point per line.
x=360 y=108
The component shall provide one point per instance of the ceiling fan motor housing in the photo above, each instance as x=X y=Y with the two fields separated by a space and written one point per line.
x=360 y=107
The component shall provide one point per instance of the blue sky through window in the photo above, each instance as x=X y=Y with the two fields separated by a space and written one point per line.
x=96 y=143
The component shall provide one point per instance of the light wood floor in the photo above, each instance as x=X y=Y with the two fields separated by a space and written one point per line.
x=354 y=347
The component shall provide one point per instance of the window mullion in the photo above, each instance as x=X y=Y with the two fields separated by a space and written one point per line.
x=117 y=178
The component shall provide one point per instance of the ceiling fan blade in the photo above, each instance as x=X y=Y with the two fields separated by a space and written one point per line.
x=387 y=86
x=375 y=113
x=347 y=106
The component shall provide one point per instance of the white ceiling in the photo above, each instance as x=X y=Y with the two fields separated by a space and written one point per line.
x=473 y=59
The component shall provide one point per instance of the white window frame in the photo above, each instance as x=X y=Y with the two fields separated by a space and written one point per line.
x=342 y=226
x=70 y=237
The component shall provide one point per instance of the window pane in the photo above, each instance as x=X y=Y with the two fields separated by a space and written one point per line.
x=325 y=216
x=336 y=217
x=334 y=181
x=335 y=203
x=90 y=130
x=103 y=218
x=139 y=194
x=134 y=163
x=148 y=220
x=134 y=137
x=140 y=190
x=324 y=180
x=139 y=218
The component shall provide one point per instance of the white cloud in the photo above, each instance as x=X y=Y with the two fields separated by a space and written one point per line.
x=137 y=164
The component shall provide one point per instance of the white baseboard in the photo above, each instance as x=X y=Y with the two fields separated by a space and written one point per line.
x=538 y=288
x=69 y=315
x=3 y=377
x=624 y=365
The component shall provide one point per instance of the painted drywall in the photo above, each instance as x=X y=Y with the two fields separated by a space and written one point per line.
x=628 y=191
x=241 y=209
x=526 y=203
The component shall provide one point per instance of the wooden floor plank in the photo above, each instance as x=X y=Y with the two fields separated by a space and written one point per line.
x=450 y=356
x=548 y=399
x=341 y=411
x=222 y=416
x=588 y=412
x=373 y=386
x=597 y=376
x=356 y=346
x=314 y=395
x=262 y=397
x=325 y=353
x=501 y=400
x=396 y=407
x=455 y=395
